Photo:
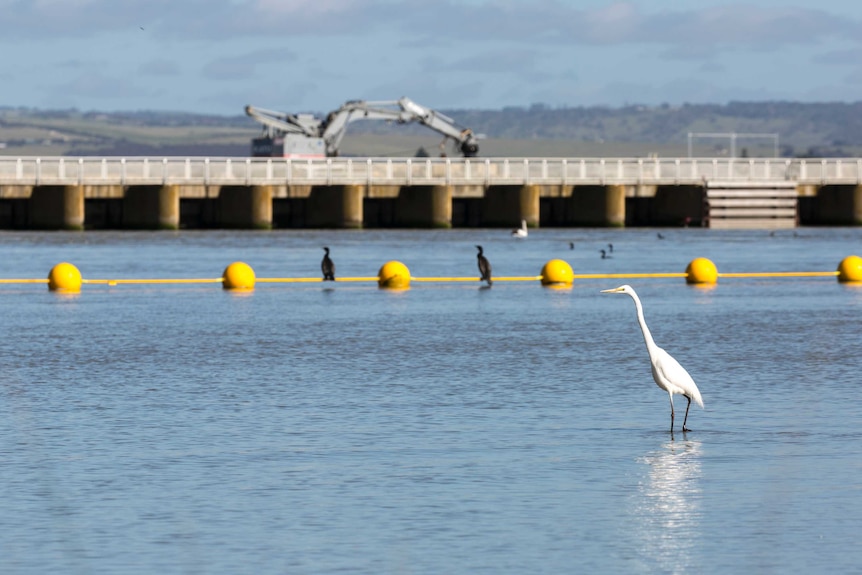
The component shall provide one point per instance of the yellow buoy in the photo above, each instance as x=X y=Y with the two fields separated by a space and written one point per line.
x=64 y=277
x=557 y=272
x=701 y=271
x=850 y=269
x=393 y=275
x=238 y=276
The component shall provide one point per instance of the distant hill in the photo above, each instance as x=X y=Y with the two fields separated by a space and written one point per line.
x=819 y=129
x=804 y=129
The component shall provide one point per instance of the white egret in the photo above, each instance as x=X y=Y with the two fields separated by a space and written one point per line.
x=666 y=371
x=327 y=266
x=520 y=232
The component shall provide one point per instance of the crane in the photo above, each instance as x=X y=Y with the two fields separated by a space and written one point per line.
x=307 y=136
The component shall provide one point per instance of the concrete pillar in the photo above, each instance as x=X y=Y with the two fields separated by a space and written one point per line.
x=57 y=207
x=615 y=206
x=528 y=204
x=335 y=207
x=508 y=205
x=245 y=207
x=152 y=207
x=599 y=206
x=424 y=207
x=261 y=207
x=169 y=207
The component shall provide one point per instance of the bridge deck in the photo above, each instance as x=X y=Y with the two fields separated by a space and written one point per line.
x=34 y=171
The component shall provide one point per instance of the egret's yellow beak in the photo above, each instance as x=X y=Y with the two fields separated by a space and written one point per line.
x=615 y=290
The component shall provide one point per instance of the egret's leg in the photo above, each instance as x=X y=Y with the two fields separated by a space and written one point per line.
x=684 y=428
x=671 y=412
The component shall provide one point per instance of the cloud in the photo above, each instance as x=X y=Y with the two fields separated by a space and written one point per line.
x=849 y=57
x=90 y=89
x=497 y=62
x=430 y=91
x=79 y=64
x=733 y=26
x=724 y=27
x=99 y=86
x=36 y=19
x=266 y=95
x=692 y=89
x=159 y=67
x=525 y=65
x=244 y=67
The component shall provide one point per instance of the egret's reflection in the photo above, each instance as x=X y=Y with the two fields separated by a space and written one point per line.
x=668 y=505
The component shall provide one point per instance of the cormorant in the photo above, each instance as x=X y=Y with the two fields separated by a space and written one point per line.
x=610 y=248
x=327 y=267
x=484 y=266
x=605 y=255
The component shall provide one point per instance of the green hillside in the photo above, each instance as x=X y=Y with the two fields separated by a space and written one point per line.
x=817 y=129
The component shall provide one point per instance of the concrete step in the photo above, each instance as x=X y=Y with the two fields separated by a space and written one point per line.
x=727 y=213
x=750 y=193
x=751 y=205
x=753 y=224
x=773 y=184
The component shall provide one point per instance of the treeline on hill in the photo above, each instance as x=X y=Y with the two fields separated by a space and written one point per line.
x=804 y=129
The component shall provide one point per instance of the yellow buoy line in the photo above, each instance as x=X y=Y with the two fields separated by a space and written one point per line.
x=779 y=274
x=473 y=279
x=313 y=280
x=154 y=281
x=66 y=278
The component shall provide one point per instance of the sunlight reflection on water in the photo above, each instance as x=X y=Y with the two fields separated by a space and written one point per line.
x=668 y=506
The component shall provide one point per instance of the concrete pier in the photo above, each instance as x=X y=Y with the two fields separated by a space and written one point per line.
x=506 y=206
x=261 y=207
x=424 y=207
x=152 y=207
x=599 y=206
x=335 y=207
x=57 y=208
x=245 y=207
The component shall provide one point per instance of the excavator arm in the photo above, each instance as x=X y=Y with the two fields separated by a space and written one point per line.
x=277 y=122
x=464 y=137
x=282 y=127
x=402 y=111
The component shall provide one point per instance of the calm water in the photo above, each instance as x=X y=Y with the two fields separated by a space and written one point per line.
x=445 y=429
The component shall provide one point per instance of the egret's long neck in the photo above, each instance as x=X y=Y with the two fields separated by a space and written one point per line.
x=646 y=333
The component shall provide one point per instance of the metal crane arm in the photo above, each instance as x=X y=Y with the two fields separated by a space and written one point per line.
x=278 y=122
x=402 y=111
x=332 y=130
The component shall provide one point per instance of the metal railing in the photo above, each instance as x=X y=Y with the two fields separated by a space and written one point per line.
x=35 y=171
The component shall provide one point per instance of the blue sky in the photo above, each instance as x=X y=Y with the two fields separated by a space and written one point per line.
x=216 y=56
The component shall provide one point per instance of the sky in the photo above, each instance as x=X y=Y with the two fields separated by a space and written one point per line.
x=216 y=56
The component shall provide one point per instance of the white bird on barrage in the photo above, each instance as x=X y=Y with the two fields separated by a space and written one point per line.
x=666 y=371
x=520 y=232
